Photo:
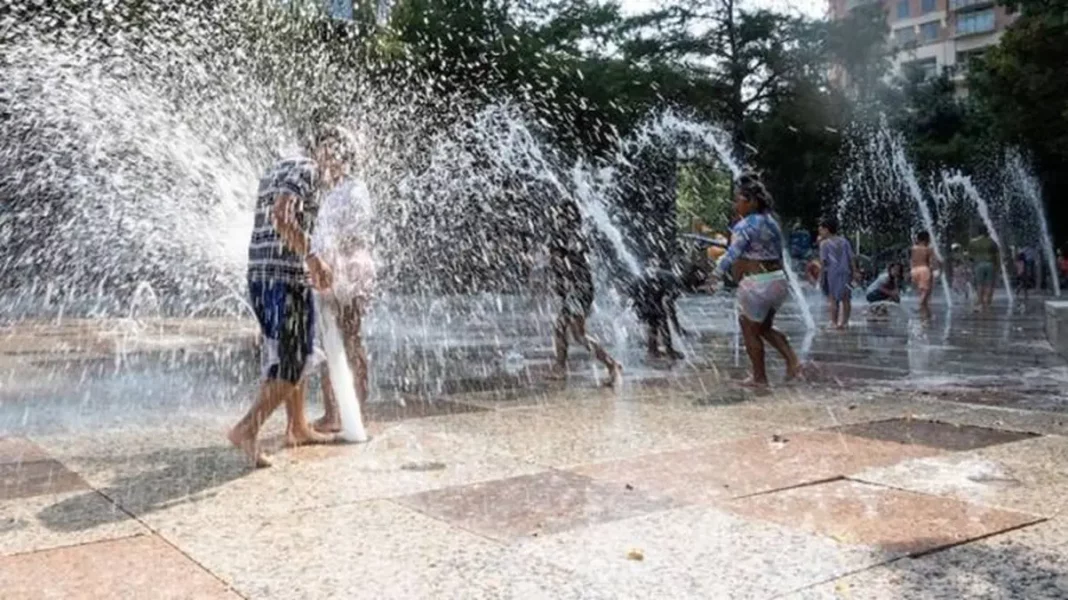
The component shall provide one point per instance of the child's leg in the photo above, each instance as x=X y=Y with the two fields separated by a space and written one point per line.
x=669 y=347
x=273 y=392
x=578 y=331
x=330 y=422
x=358 y=354
x=652 y=344
x=560 y=342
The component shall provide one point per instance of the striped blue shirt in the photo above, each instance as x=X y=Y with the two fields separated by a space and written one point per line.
x=268 y=257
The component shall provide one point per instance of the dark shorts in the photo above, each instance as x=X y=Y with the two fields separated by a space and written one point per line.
x=984 y=273
x=286 y=313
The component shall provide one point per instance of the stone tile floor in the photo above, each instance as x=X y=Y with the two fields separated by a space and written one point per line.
x=918 y=463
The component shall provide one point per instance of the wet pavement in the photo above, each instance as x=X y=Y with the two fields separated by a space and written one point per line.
x=919 y=460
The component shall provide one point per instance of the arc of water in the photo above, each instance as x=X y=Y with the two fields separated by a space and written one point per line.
x=712 y=138
x=1026 y=183
x=984 y=213
x=903 y=169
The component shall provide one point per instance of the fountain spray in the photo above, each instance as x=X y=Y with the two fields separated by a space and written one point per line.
x=984 y=213
x=1026 y=183
x=904 y=170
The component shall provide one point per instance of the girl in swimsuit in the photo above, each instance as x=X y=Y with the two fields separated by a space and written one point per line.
x=754 y=259
x=923 y=265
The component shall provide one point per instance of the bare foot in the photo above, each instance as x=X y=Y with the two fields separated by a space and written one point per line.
x=615 y=376
x=304 y=438
x=248 y=444
x=794 y=372
x=558 y=373
x=750 y=382
x=327 y=425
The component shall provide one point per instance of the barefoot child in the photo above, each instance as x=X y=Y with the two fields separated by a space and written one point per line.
x=837 y=271
x=755 y=261
x=654 y=296
x=343 y=235
x=573 y=284
x=923 y=265
x=282 y=271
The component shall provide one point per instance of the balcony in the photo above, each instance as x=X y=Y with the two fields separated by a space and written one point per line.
x=851 y=4
x=975 y=23
x=963 y=5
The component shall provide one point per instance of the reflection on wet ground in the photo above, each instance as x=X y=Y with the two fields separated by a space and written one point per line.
x=920 y=460
x=99 y=372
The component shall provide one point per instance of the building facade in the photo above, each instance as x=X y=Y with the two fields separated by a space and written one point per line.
x=937 y=36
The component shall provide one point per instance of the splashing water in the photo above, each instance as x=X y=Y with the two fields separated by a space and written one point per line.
x=1027 y=184
x=341 y=379
x=905 y=171
x=984 y=213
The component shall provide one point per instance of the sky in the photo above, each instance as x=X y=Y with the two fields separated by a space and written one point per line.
x=809 y=8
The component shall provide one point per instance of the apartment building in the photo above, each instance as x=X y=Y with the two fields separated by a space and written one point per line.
x=937 y=35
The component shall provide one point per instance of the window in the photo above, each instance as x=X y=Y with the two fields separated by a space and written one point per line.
x=926 y=68
x=339 y=9
x=905 y=36
x=929 y=31
x=927 y=6
x=903 y=9
x=961 y=4
x=965 y=60
x=977 y=22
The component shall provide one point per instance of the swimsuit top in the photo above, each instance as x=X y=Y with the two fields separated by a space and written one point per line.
x=755 y=237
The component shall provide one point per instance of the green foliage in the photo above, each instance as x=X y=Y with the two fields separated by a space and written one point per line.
x=1022 y=87
x=703 y=197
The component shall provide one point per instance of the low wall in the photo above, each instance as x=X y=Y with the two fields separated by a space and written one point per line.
x=1057 y=325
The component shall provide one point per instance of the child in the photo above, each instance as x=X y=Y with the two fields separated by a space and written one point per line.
x=961 y=272
x=344 y=234
x=885 y=288
x=923 y=264
x=573 y=283
x=837 y=273
x=654 y=296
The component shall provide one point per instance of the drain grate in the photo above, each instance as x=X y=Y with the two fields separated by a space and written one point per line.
x=934 y=434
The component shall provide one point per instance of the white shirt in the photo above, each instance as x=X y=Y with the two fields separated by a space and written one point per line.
x=343 y=239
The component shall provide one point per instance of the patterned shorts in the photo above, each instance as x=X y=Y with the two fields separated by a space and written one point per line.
x=761 y=293
x=286 y=313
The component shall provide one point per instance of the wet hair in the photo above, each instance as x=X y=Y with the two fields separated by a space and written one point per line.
x=901 y=268
x=750 y=186
x=332 y=137
x=830 y=224
x=923 y=237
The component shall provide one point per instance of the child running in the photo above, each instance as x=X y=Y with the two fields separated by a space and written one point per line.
x=573 y=284
x=924 y=263
x=654 y=295
x=754 y=259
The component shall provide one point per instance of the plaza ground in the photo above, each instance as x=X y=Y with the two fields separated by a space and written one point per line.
x=919 y=461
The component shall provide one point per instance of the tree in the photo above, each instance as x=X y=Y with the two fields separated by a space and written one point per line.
x=859 y=51
x=1021 y=84
x=703 y=197
x=745 y=59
